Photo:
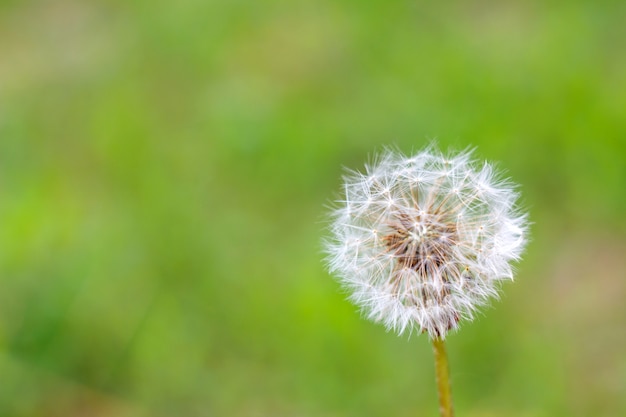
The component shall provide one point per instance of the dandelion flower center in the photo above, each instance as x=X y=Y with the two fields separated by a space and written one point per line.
x=420 y=243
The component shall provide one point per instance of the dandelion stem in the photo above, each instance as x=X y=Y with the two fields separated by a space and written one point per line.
x=443 y=379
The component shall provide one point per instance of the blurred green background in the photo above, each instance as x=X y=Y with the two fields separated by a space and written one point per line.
x=164 y=168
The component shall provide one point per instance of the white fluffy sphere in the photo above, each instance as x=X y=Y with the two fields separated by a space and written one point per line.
x=421 y=242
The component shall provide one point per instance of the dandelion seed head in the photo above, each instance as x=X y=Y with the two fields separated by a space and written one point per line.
x=422 y=242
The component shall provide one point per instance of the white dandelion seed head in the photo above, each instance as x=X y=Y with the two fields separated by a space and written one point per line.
x=422 y=242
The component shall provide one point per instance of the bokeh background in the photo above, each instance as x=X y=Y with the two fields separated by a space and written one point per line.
x=164 y=171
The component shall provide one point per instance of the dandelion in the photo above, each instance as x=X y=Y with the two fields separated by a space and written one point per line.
x=422 y=242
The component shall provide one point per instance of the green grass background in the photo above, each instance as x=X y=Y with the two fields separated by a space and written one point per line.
x=164 y=167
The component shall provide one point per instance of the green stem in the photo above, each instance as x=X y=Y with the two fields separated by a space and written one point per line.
x=443 y=378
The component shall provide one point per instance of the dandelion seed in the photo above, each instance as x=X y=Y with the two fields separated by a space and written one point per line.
x=425 y=240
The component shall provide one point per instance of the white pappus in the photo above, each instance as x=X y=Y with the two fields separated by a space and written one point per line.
x=421 y=242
